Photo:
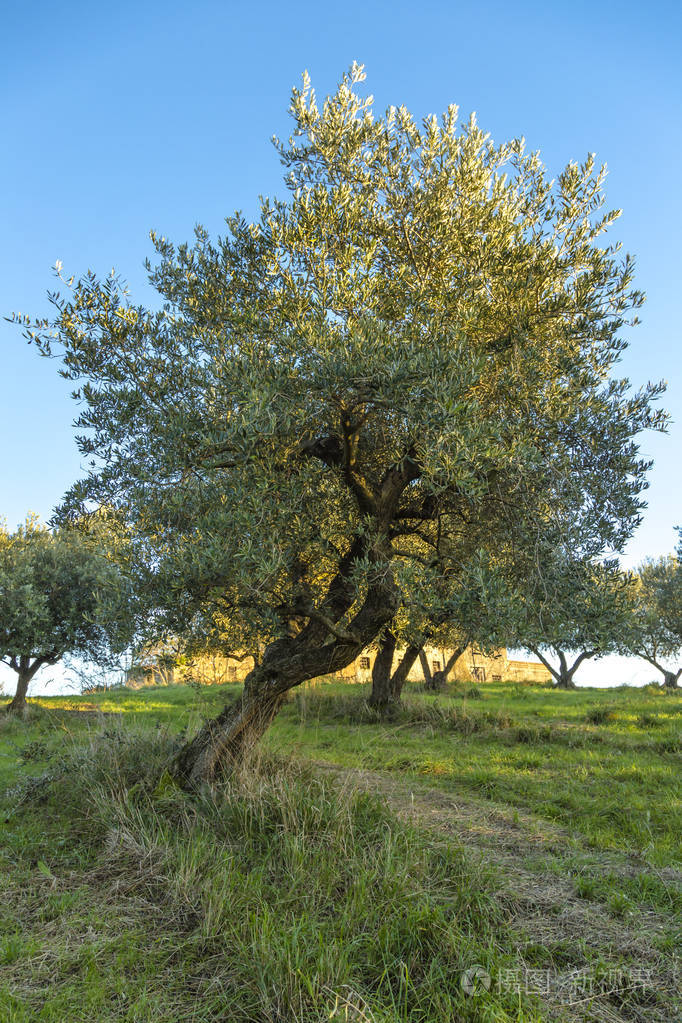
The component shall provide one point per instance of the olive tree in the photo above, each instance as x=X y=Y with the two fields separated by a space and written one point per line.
x=571 y=609
x=418 y=336
x=656 y=622
x=60 y=594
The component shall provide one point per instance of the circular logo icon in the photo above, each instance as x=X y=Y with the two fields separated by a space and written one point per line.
x=475 y=979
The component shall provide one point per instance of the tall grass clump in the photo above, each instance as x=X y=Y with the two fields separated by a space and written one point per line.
x=289 y=896
x=600 y=715
x=350 y=708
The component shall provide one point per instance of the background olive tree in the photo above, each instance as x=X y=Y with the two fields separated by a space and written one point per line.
x=61 y=593
x=569 y=609
x=656 y=618
x=417 y=337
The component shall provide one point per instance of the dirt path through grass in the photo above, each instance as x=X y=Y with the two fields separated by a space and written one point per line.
x=591 y=943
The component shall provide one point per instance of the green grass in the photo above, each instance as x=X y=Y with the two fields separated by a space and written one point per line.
x=299 y=894
x=282 y=896
x=528 y=747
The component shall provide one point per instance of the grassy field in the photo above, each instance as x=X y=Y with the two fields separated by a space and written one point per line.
x=357 y=870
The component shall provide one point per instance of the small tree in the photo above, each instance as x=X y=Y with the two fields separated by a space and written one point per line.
x=573 y=608
x=60 y=593
x=418 y=338
x=656 y=623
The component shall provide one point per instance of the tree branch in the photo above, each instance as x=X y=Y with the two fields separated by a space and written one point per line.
x=333 y=453
x=651 y=660
x=394 y=482
x=546 y=663
x=584 y=656
x=318 y=616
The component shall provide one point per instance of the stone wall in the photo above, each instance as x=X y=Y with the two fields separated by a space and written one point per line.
x=472 y=666
x=527 y=671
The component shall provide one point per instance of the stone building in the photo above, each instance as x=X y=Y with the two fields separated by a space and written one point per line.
x=472 y=666
x=214 y=669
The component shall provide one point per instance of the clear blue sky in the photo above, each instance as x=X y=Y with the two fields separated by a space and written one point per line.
x=125 y=117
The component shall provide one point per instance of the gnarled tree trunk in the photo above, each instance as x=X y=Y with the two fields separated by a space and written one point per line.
x=670 y=679
x=382 y=669
x=323 y=645
x=564 y=677
x=426 y=668
x=403 y=670
x=387 y=686
x=25 y=672
x=18 y=703
x=286 y=663
x=564 y=674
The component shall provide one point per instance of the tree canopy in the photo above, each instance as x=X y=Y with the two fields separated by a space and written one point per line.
x=60 y=593
x=416 y=342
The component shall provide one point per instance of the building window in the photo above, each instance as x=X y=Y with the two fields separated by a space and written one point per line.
x=232 y=674
x=496 y=678
x=364 y=662
x=436 y=665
